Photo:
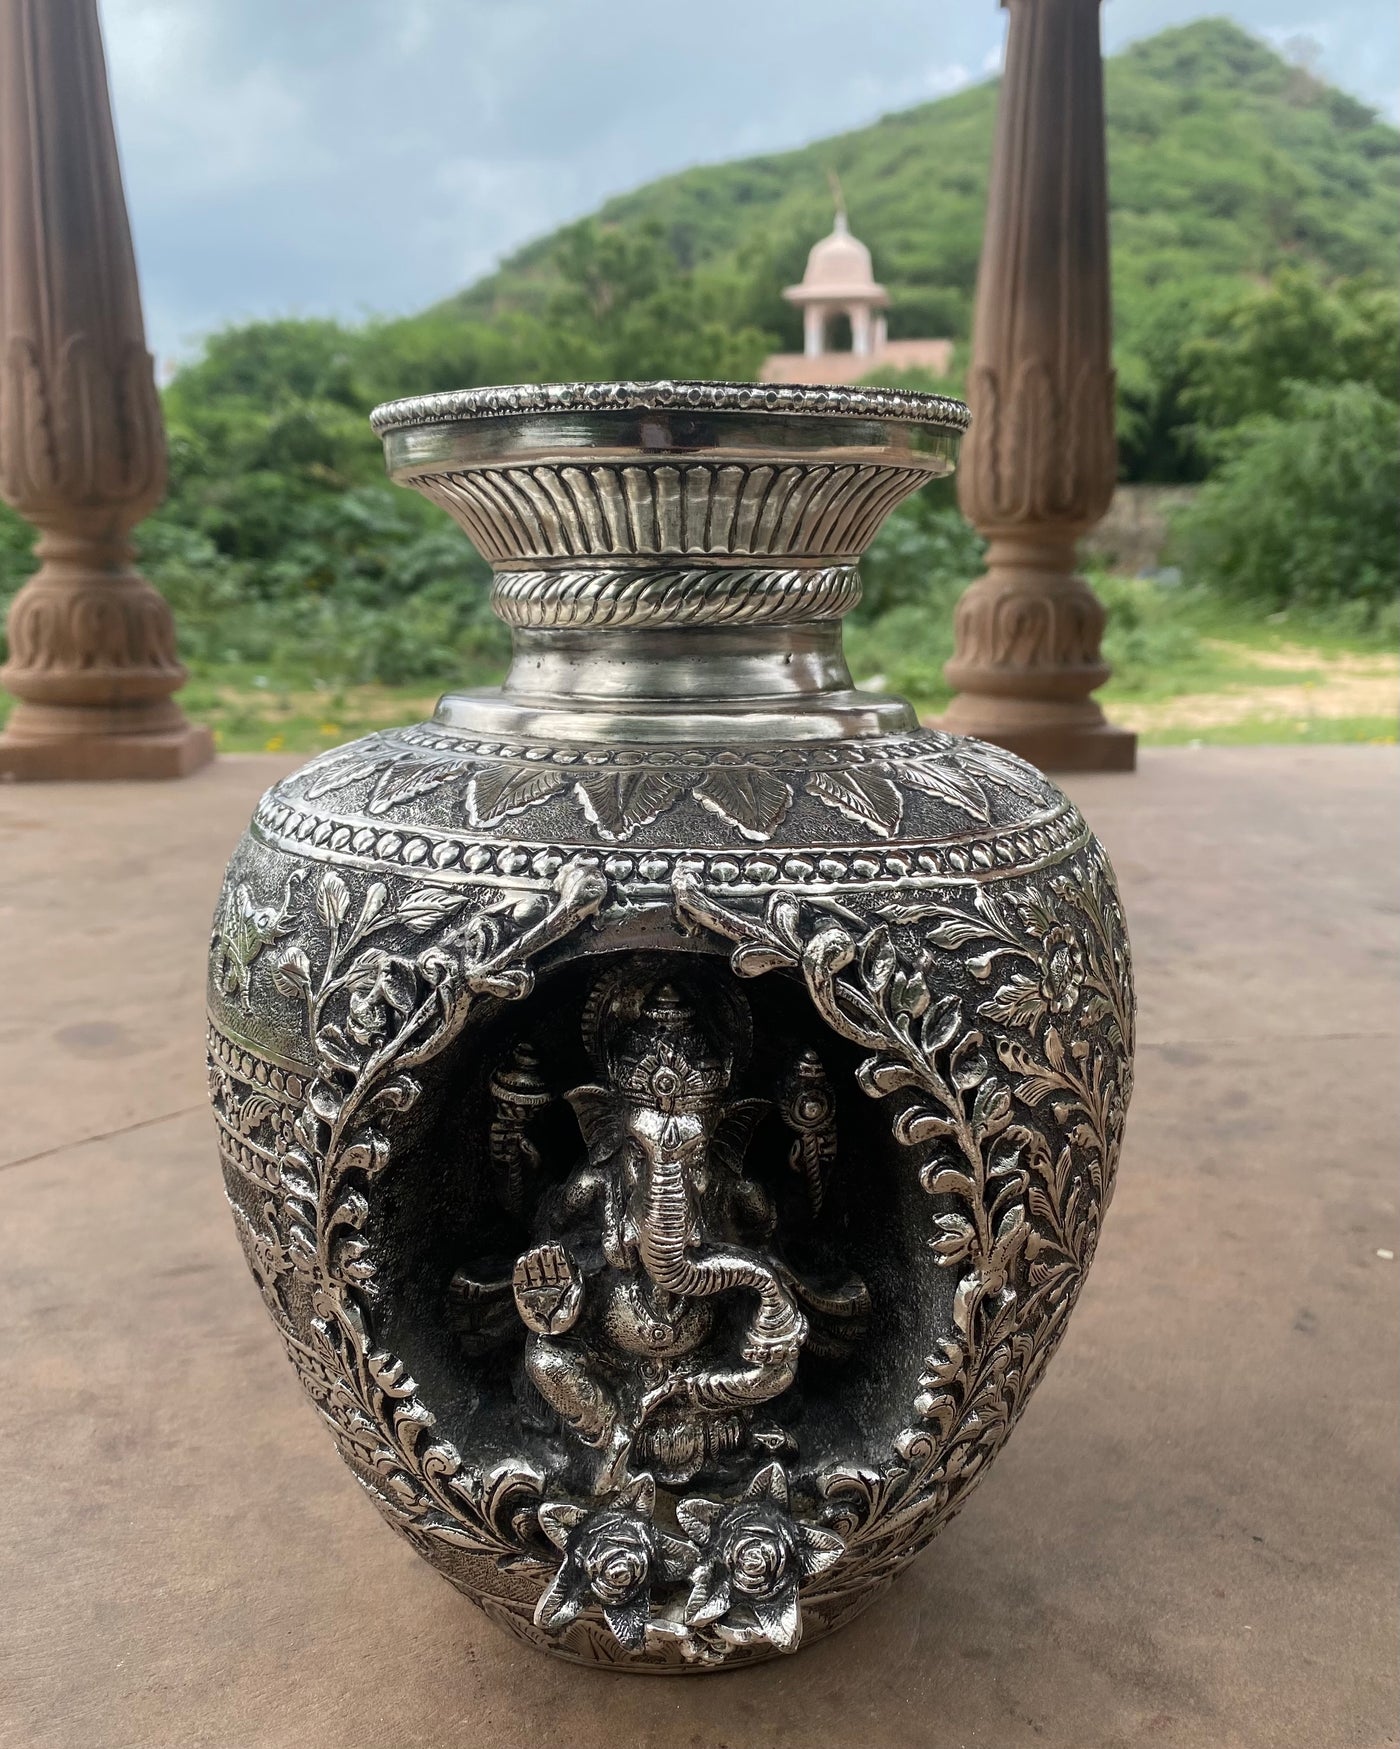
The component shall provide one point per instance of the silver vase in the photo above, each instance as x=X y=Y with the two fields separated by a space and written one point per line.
x=668 y=1102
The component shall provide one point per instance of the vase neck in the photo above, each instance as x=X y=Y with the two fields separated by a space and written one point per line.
x=677 y=654
x=674 y=592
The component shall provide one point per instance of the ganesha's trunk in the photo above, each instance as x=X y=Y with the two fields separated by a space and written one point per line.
x=664 y=1231
x=664 y=1243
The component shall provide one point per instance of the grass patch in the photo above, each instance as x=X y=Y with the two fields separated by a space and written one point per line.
x=296 y=716
x=1266 y=731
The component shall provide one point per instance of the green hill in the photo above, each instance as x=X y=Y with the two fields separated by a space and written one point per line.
x=1224 y=161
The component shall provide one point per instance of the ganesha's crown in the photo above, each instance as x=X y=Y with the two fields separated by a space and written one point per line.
x=666 y=1061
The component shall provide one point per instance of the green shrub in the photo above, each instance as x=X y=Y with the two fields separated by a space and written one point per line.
x=1302 y=508
x=1152 y=629
x=1251 y=350
x=925 y=553
x=921 y=561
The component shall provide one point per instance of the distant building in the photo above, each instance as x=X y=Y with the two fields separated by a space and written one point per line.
x=840 y=281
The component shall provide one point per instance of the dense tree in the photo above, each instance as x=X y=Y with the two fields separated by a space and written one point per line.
x=1255 y=346
x=1302 y=509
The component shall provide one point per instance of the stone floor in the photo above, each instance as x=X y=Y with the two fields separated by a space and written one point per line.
x=1190 y=1541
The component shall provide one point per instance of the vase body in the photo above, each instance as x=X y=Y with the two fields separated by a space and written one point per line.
x=668 y=1103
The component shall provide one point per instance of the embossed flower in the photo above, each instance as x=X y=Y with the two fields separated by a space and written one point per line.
x=612 y=1557
x=1061 y=969
x=377 y=987
x=754 y=1555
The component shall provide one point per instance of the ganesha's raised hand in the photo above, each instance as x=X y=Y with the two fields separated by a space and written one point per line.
x=548 y=1289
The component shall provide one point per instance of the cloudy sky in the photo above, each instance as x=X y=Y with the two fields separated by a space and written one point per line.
x=345 y=157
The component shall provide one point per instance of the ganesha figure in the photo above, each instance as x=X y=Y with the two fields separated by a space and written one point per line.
x=661 y=1319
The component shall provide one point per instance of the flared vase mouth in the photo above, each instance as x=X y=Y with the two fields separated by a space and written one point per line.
x=812 y=400
x=670 y=475
x=673 y=558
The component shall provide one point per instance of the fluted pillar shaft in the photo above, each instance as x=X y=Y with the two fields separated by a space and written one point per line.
x=82 y=451
x=1038 y=467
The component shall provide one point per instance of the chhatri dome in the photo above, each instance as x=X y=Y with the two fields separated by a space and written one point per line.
x=840 y=281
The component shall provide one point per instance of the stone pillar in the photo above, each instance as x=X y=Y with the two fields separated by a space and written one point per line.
x=813 y=330
x=1039 y=464
x=860 y=330
x=82 y=449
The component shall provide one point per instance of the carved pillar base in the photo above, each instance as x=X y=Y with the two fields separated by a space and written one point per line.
x=103 y=756
x=1027 y=660
x=93 y=665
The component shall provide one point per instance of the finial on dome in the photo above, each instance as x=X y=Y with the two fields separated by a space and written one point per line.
x=839 y=226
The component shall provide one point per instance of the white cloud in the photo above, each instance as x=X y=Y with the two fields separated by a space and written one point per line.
x=482 y=207
x=943 y=81
x=212 y=126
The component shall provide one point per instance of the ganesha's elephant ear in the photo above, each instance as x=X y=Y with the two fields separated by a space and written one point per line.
x=734 y=1130
x=600 y=1119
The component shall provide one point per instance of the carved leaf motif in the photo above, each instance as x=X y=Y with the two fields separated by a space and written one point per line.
x=509 y=789
x=955 y=1240
x=991 y=1110
x=618 y=802
x=406 y=781
x=506 y=1492
x=426 y=906
x=920 y=1125
x=332 y=899
x=397 y=1094
x=861 y=795
x=1036 y=1084
x=939 y=1026
x=1015 y=773
x=754 y=801
x=375 y=900
x=331 y=1042
x=880 y=1076
x=257 y=1108
x=1017 y=1003
x=752 y=962
x=953 y=931
x=878 y=960
x=292 y=973
x=339 y=773
x=949 y=782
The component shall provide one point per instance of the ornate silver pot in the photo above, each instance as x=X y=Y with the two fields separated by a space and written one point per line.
x=668 y=1103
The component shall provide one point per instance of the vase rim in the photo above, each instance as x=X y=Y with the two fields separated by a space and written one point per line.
x=908 y=406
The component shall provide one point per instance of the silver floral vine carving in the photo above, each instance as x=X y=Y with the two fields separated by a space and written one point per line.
x=375 y=1013
x=1024 y=1217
